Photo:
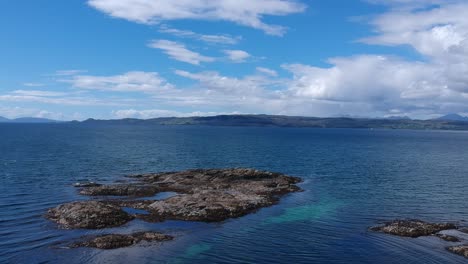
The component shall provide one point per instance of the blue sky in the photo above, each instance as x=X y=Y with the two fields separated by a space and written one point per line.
x=150 y=58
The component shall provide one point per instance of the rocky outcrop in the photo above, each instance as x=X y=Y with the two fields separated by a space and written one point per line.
x=89 y=215
x=418 y=228
x=113 y=241
x=241 y=180
x=412 y=228
x=460 y=250
x=202 y=195
x=209 y=206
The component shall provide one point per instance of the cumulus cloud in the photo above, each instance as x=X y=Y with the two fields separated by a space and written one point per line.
x=243 y=12
x=382 y=81
x=178 y=51
x=214 y=39
x=386 y=84
x=237 y=56
x=439 y=33
x=136 y=81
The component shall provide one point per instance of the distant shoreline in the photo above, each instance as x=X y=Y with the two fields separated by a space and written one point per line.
x=277 y=121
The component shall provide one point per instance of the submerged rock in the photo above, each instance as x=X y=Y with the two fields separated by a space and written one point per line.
x=460 y=250
x=412 y=228
x=113 y=241
x=88 y=214
x=448 y=238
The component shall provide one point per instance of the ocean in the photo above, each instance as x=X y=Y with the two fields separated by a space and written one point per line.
x=352 y=179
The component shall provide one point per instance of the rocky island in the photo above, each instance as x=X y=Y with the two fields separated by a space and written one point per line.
x=416 y=228
x=211 y=195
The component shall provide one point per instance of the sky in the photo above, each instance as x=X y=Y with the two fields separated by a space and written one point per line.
x=108 y=59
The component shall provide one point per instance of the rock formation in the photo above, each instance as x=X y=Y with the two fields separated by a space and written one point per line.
x=202 y=195
x=113 y=241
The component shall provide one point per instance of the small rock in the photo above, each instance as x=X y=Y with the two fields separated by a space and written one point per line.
x=113 y=241
x=448 y=238
x=88 y=214
x=460 y=250
x=412 y=228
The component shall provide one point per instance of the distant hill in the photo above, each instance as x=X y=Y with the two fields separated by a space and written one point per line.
x=453 y=117
x=291 y=121
x=450 y=122
x=27 y=120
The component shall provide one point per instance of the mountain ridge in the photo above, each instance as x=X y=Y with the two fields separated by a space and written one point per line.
x=292 y=121
x=453 y=117
x=32 y=120
x=275 y=121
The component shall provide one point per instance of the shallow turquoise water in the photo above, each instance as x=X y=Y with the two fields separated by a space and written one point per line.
x=352 y=179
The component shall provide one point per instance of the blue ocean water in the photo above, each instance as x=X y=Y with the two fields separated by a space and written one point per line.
x=353 y=179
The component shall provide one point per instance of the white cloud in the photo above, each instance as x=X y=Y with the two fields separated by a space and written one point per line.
x=135 y=81
x=267 y=71
x=373 y=79
x=243 y=12
x=179 y=52
x=360 y=85
x=78 y=101
x=33 y=84
x=68 y=72
x=38 y=93
x=213 y=81
x=55 y=98
x=155 y=113
x=441 y=32
x=237 y=56
x=17 y=112
x=214 y=39
x=387 y=85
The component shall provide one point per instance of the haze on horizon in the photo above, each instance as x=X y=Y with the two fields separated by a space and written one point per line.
x=110 y=59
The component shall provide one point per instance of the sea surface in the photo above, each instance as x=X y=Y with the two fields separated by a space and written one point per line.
x=353 y=179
